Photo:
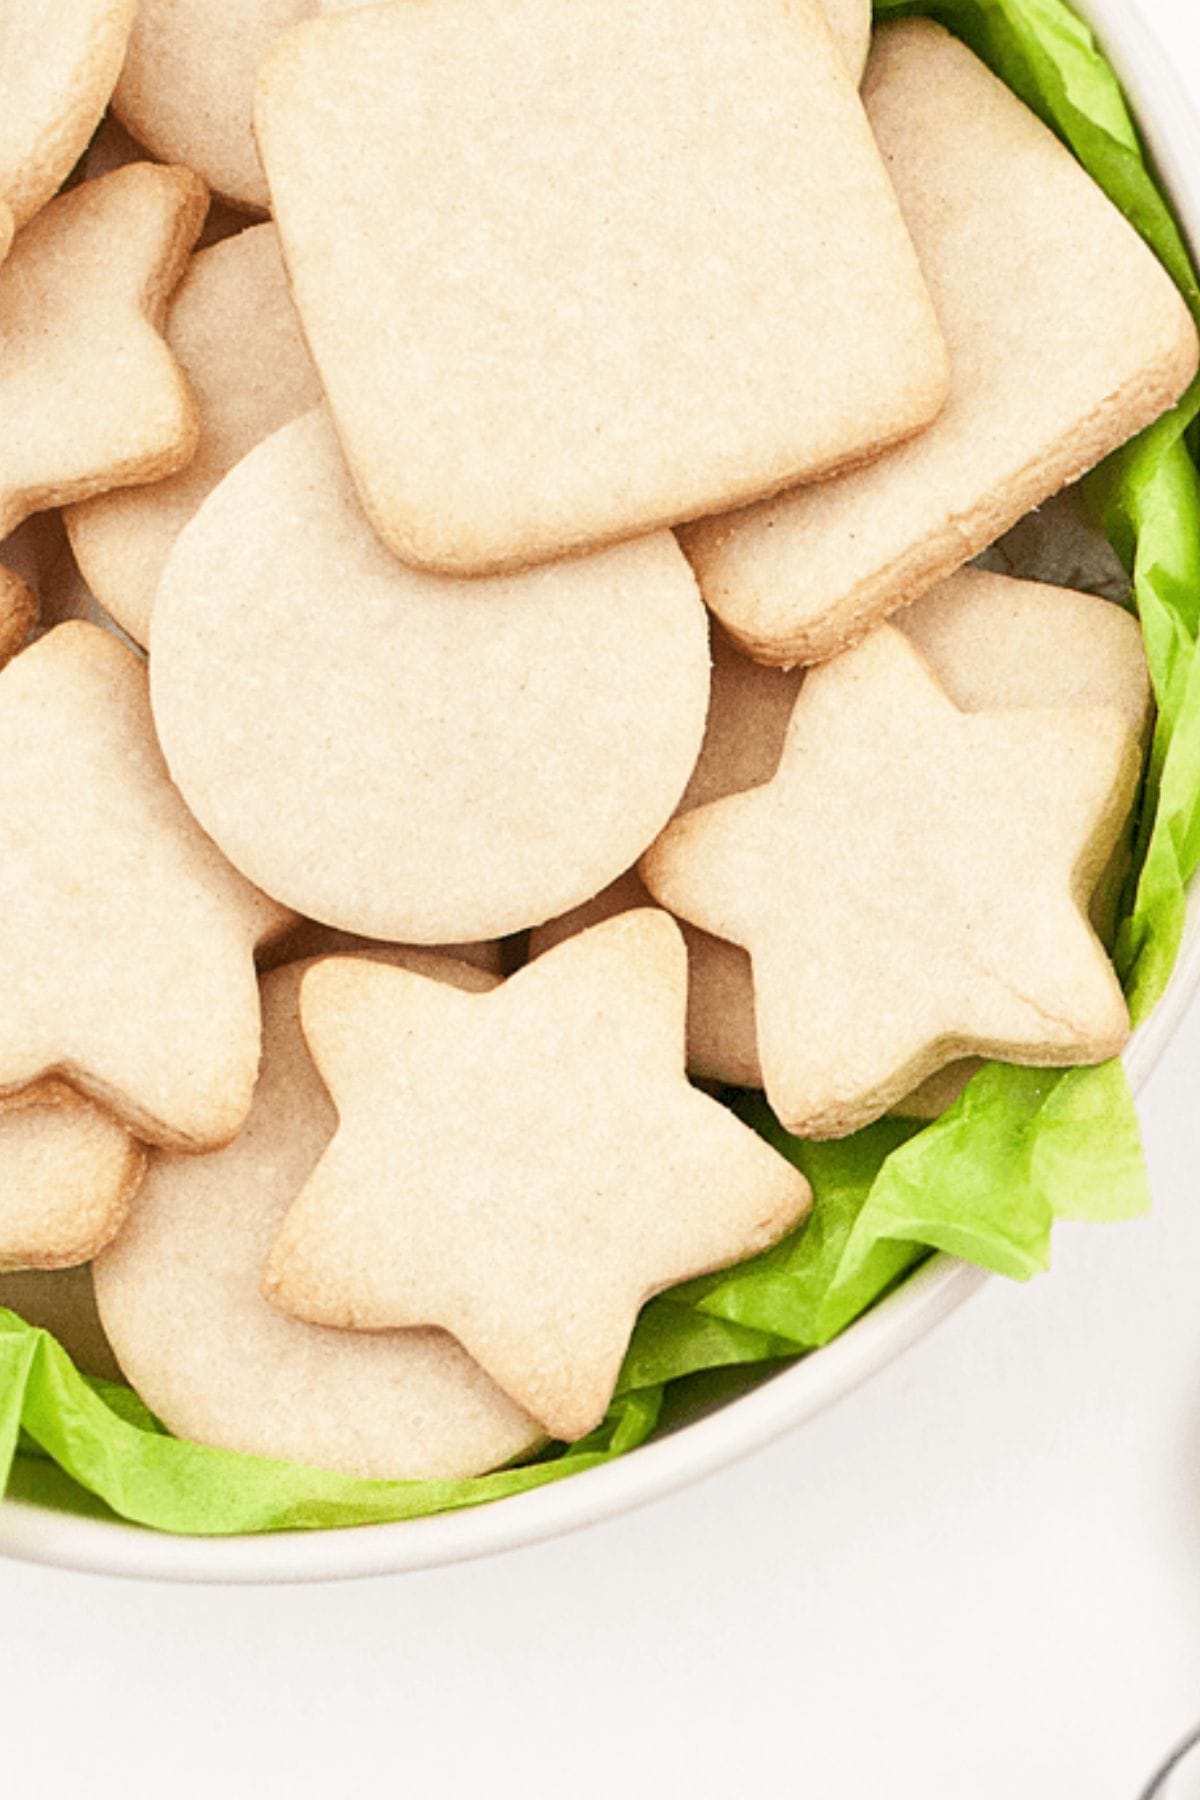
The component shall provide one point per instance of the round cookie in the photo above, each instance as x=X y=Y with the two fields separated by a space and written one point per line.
x=408 y=756
x=178 y=1295
x=187 y=86
x=235 y=334
x=992 y=642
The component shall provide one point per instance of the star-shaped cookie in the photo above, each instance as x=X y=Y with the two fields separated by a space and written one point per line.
x=126 y=940
x=237 y=338
x=178 y=1293
x=912 y=886
x=90 y=395
x=524 y=1168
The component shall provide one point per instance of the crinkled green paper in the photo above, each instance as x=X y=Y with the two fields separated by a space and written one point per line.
x=1019 y=1149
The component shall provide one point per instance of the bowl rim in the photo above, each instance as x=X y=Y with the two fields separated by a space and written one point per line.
x=40 y=1534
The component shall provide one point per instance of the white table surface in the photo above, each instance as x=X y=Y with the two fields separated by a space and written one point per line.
x=977 y=1579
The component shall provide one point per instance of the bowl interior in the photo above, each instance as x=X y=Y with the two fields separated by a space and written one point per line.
x=715 y=1432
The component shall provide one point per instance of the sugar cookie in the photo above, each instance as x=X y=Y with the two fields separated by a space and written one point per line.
x=996 y=642
x=850 y=23
x=592 y=1175
x=187 y=87
x=67 y=1173
x=61 y=1301
x=722 y=1039
x=58 y=63
x=112 y=148
x=408 y=756
x=235 y=333
x=714 y=294
x=1066 y=337
x=911 y=886
x=748 y=717
x=126 y=940
x=992 y=642
x=90 y=395
x=179 y=1297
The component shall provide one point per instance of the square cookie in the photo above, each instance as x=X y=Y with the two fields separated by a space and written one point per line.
x=572 y=272
x=1066 y=337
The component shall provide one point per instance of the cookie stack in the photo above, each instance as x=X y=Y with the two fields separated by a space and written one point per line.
x=542 y=480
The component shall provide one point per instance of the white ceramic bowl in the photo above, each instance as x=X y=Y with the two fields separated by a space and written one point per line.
x=39 y=1534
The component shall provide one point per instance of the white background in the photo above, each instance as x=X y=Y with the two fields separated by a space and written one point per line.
x=978 y=1579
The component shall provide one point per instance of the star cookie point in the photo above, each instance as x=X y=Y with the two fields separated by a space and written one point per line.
x=126 y=940
x=911 y=886
x=524 y=1168
x=92 y=396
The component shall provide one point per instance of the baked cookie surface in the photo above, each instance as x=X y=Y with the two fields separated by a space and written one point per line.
x=572 y=272
x=408 y=756
x=126 y=940
x=1066 y=337
x=592 y=1175
x=90 y=394
x=178 y=1294
x=912 y=885
x=237 y=339
x=850 y=23
x=186 y=89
